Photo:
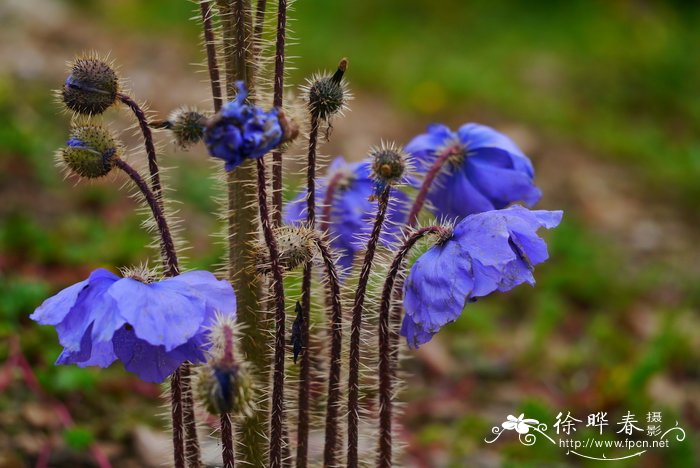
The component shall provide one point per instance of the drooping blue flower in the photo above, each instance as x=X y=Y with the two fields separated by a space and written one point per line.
x=241 y=131
x=494 y=250
x=485 y=170
x=152 y=327
x=351 y=211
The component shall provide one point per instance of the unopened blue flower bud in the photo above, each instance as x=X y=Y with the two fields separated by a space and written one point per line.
x=90 y=151
x=91 y=88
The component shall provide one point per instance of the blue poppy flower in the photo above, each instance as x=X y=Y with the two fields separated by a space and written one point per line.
x=494 y=250
x=351 y=211
x=152 y=327
x=485 y=171
x=241 y=131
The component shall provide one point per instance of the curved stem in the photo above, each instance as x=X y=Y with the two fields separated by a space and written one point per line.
x=277 y=102
x=428 y=182
x=167 y=244
x=148 y=143
x=333 y=403
x=385 y=365
x=356 y=327
x=227 y=453
x=210 y=45
x=277 y=413
x=179 y=386
x=304 y=378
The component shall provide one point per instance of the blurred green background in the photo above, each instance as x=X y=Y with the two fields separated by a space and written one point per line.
x=603 y=95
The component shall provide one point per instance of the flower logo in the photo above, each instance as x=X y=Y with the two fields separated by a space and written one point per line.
x=521 y=425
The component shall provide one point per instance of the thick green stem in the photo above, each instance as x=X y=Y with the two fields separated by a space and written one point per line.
x=252 y=437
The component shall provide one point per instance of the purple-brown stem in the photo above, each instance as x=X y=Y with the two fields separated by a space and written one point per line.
x=304 y=379
x=278 y=92
x=259 y=25
x=328 y=202
x=179 y=386
x=210 y=45
x=333 y=403
x=227 y=453
x=167 y=245
x=277 y=412
x=434 y=170
x=386 y=373
x=356 y=328
x=148 y=143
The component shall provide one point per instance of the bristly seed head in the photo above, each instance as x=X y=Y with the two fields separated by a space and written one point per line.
x=296 y=246
x=328 y=94
x=90 y=151
x=388 y=166
x=92 y=86
x=141 y=273
x=187 y=126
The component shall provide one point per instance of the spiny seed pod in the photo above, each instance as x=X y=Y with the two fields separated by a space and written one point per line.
x=187 y=126
x=92 y=86
x=90 y=151
x=328 y=94
x=388 y=165
x=296 y=246
x=223 y=384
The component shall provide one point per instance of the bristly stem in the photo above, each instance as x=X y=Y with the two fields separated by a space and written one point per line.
x=227 y=452
x=241 y=215
x=356 y=328
x=386 y=369
x=148 y=143
x=210 y=45
x=304 y=378
x=333 y=402
x=259 y=25
x=278 y=93
x=434 y=170
x=178 y=385
x=327 y=206
x=277 y=413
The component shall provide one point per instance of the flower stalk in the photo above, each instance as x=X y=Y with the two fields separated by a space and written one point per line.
x=386 y=364
x=278 y=92
x=356 y=328
x=277 y=411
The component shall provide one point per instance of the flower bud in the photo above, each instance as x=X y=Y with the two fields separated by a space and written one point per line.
x=223 y=384
x=328 y=94
x=187 y=126
x=90 y=151
x=296 y=247
x=388 y=166
x=91 y=88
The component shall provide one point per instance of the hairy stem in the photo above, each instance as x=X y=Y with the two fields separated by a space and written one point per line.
x=227 y=452
x=278 y=92
x=386 y=373
x=356 y=327
x=241 y=215
x=304 y=378
x=434 y=170
x=147 y=141
x=333 y=403
x=178 y=385
x=328 y=202
x=277 y=413
x=210 y=45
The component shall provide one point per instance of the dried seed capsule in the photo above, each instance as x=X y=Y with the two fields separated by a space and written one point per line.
x=90 y=151
x=91 y=88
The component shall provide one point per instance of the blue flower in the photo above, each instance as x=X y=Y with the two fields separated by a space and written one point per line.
x=152 y=327
x=485 y=171
x=494 y=250
x=351 y=211
x=241 y=131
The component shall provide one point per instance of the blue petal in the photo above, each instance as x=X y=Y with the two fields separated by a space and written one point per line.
x=165 y=313
x=152 y=363
x=414 y=333
x=218 y=295
x=502 y=186
x=90 y=353
x=453 y=196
